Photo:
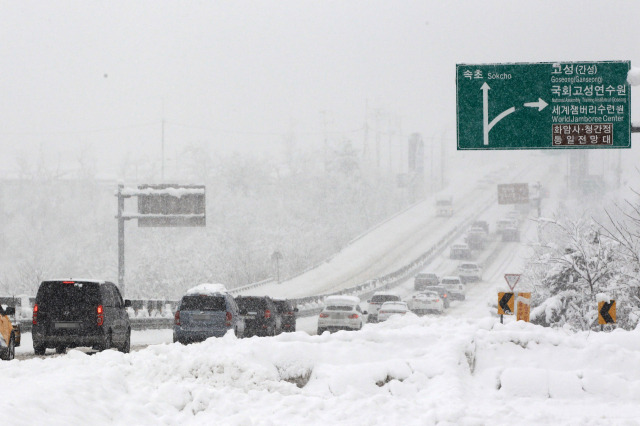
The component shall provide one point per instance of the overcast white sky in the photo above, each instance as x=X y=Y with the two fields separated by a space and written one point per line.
x=93 y=76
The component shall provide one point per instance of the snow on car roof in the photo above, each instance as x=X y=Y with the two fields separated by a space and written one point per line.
x=207 y=288
x=83 y=280
x=349 y=300
x=450 y=277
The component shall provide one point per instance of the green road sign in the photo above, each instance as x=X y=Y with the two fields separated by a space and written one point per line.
x=549 y=105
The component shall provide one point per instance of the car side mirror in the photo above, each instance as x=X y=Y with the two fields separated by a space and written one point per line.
x=10 y=310
x=295 y=309
x=127 y=303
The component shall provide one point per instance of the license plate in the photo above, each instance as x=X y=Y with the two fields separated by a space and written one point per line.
x=201 y=317
x=67 y=325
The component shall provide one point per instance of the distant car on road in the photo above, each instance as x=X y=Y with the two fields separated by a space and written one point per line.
x=392 y=308
x=9 y=333
x=455 y=286
x=483 y=224
x=69 y=313
x=206 y=310
x=510 y=234
x=341 y=313
x=443 y=293
x=426 y=302
x=475 y=238
x=260 y=316
x=469 y=272
x=424 y=280
x=287 y=313
x=444 y=205
x=376 y=301
x=460 y=251
x=503 y=224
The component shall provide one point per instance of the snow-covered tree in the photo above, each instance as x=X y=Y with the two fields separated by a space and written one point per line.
x=573 y=262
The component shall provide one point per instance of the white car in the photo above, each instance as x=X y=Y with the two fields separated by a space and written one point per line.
x=425 y=302
x=469 y=272
x=341 y=313
x=455 y=286
x=460 y=251
x=392 y=308
x=376 y=301
x=503 y=224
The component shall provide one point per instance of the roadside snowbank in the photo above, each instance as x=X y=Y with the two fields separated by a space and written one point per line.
x=405 y=371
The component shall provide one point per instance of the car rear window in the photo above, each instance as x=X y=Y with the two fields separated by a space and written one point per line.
x=69 y=293
x=381 y=298
x=339 y=308
x=251 y=303
x=451 y=281
x=283 y=306
x=203 y=303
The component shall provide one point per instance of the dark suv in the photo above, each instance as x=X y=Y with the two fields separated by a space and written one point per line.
x=260 y=316
x=206 y=312
x=71 y=313
x=287 y=313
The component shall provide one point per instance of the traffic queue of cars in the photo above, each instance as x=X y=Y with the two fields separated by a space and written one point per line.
x=209 y=310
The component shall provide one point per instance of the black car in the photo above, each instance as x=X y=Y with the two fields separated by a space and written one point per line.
x=287 y=313
x=72 y=313
x=260 y=316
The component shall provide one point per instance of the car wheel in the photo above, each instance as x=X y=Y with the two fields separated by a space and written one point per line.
x=107 y=342
x=39 y=349
x=320 y=331
x=10 y=352
x=61 y=349
x=126 y=346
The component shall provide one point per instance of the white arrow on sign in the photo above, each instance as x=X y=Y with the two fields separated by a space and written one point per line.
x=512 y=280
x=485 y=113
x=541 y=104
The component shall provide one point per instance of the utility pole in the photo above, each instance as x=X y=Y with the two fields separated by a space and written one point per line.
x=377 y=119
x=162 y=144
x=326 y=140
x=120 y=218
x=365 y=144
x=162 y=170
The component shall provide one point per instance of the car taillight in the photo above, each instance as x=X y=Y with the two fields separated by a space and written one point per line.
x=229 y=318
x=290 y=313
x=34 y=320
x=353 y=316
x=100 y=312
x=383 y=312
x=267 y=313
x=176 y=318
x=324 y=315
x=437 y=300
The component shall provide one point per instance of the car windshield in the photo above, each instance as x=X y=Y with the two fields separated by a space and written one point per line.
x=203 y=303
